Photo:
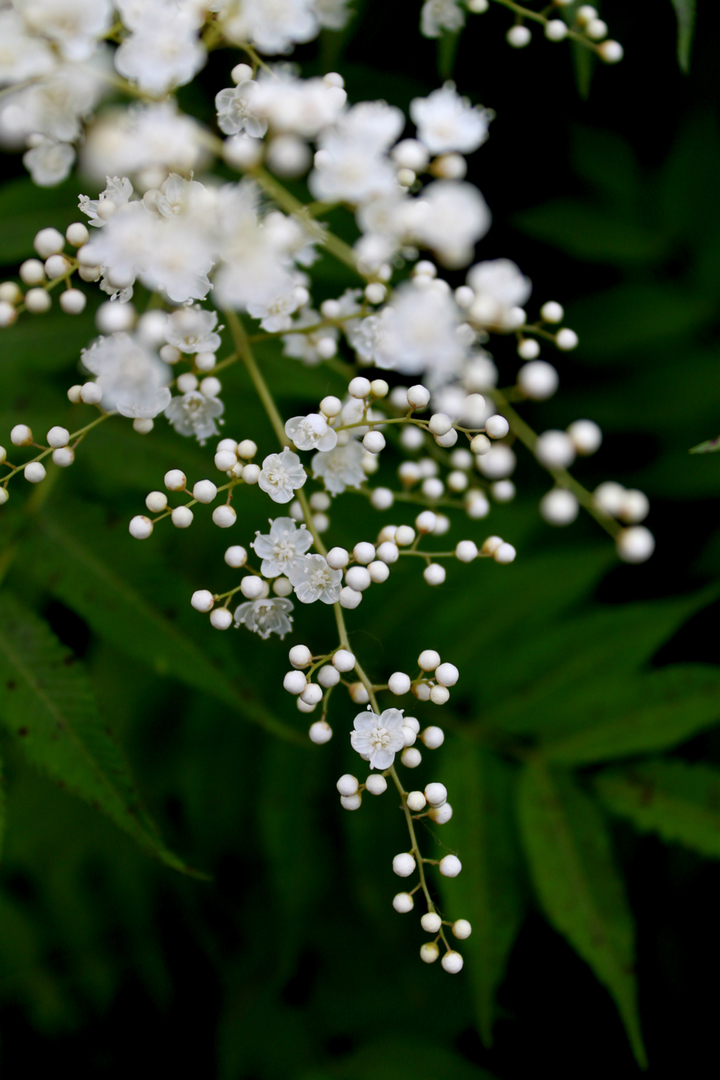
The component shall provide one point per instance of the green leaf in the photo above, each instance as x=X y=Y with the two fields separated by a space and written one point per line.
x=48 y=707
x=678 y=800
x=592 y=233
x=489 y=892
x=708 y=447
x=685 y=12
x=652 y=712
x=393 y=1058
x=26 y=208
x=573 y=869
x=91 y=586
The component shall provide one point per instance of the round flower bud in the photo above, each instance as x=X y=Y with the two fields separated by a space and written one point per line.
x=409 y=735
x=440 y=423
x=431 y=922
x=559 y=507
x=611 y=52
x=634 y=507
x=34 y=472
x=225 y=460
x=452 y=961
x=8 y=314
x=491 y=545
x=282 y=587
x=382 y=498
x=4 y=495
x=363 y=553
x=32 y=272
x=349 y=598
x=351 y=802
x=48 y=242
x=210 y=386
x=320 y=732
x=331 y=406
x=328 y=676
x=404 y=535
x=338 y=558
x=3 y=455
x=175 y=480
x=421 y=691
x=478 y=7
x=433 y=488
x=358 y=578
x=462 y=929
x=247 y=449
x=480 y=445
x=300 y=656
x=221 y=619
x=379 y=388
x=586 y=436
x=347 y=784
x=10 y=293
x=312 y=694
x=140 y=527
x=436 y=794
x=552 y=312
x=205 y=361
x=596 y=29
x=441 y=814
x=202 y=600
x=412 y=438
x=466 y=551
x=111 y=317
x=528 y=349
x=497 y=426
x=411 y=757
x=74 y=394
x=73 y=301
x=635 y=545
x=58 y=436
x=388 y=552
x=518 y=36
x=403 y=902
x=91 y=393
x=223 y=516
x=294 y=682
x=379 y=571
x=457 y=481
x=63 y=456
x=182 y=517
x=204 y=491
x=439 y=695
x=403 y=864
x=56 y=266
x=37 y=301
x=251 y=587
x=376 y=784
x=358 y=693
x=412 y=723
x=429 y=952
x=426 y=522
x=434 y=574
x=416 y=801
x=566 y=339
x=359 y=387
x=374 y=442
x=554 y=450
x=375 y=292
x=77 y=234
x=303 y=706
x=343 y=660
x=418 y=397
x=538 y=380
x=450 y=866
x=556 y=30
x=387 y=533
x=428 y=660
x=448 y=439
x=236 y=556
x=399 y=683
x=504 y=554
x=433 y=737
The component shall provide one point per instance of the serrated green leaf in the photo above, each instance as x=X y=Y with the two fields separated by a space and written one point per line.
x=48 y=707
x=708 y=447
x=678 y=800
x=77 y=574
x=489 y=892
x=652 y=712
x=579 y=886
x=685 y=12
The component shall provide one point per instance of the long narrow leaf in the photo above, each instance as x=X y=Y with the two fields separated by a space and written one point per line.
x=685 y=12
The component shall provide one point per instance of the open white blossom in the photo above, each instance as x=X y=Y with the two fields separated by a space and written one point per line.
x=340 y=468
x=499 y=285
x=266 y=617
x=119 y=191
x=274 y=26
x=22 y=54
x=313 y=579
x=48 y=161
x=378 y=738
x=195 y=414
x=311 y=432
x=301 y=106
x=439 y=15
x=192 y=330
x=282 y=547
x=133 y=380
x=236 y=112
x=450 y=217
x=163 y=50
x=447 y=122
x=281 y=475
x=74 y=25
x=154 y=137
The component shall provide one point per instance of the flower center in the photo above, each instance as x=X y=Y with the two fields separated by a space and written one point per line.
x=380 y=737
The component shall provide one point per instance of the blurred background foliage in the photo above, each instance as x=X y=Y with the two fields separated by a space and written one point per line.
x=583 y=756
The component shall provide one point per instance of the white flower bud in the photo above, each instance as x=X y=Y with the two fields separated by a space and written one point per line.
x=175 y=480
x=428 y=660
x=382 y=498
x=436 y=794
x=379 y=388
x=635 y=545
x=73 y=301
x=466 y=551
x=374 y=442
x=225 y=460
x=555 y=30
x=434 y=574
x=388 y=552
x=497 y=426
x=32 y=272
x=441 y=814
x=37 y=301
x=63 y=456
x=91 y=393
x=480 y=445
x=518 y=36
x=412 y=723
x=552 y=312
x=358 y=693
x=294 y=682
x=403 y=902
x=56 y=266
x=204 y=491
x=431 y=922
x=566 y=339
x=300 y=656
x=140 y=527
x=376 y=784
x=462 y=929
x=8 y=314
x=282 y=587
x=223 y=516
x=538 y=380
x=439 y=695
x=440 y=423
x=450 y=866
x=34 y=472
x=416 y=801
x=411 y=757
x=433 y=488
x=251 y=473
x=404 y=535
x=331 y=406
x=338 y=558
x=379 y=571
x=359 y=387
x=559 y=507
x=347 y=784
x=433 y=737
x=399 y=683
x=409 y=735
x=528 y=349
x=586 y=436
x=312 y=694
x=251 y=587
x=343 y=660
x=48 y=242
x=182 y=517
x=320 y=732
x=349 y=598
x=457 y=481
x=418 y=397
x=202 y=600
x=554 y=450
x=210 y=386
x=452 y=961
x=447 y=674
x=634 y=506
x=77 y=234
x=504 y=554
x=221 y=619
x=351 y=802
x=448 y=439
x=611 y=52
x=236 y=556
x=403 y=864
x=303 y=706
x=429 y=952
x=74 y=394
x=363 y=553
x=143 y=426
x=358 y=578
x=328 y=676
x=426 y=522
x=246 y=449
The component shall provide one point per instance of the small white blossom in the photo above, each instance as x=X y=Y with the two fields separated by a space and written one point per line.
x=313 y=579
x=311 y=432
x=281 y=475
x=195 y=414
x=48 y=162
x=74 y=25
x=439 y=15
x=378 y=738
x=163 y=51
x=192 y=330
x=274 y=26
x=340 y=468
x=118 y=191
x=282 y=547
x=236 y=113
x=266 y=617
x=447 y=122
x=133 y=380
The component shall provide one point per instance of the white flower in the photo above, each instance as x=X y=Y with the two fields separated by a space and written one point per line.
x=447 y=122
x=48 y=162
x=75 y=25
x=416 y=333
x=378 y=738
x=274 y=26
x=281 y=475
x=163 y=51
x=192 y=330
x=350 y=165
x=22 y=55
x=450 y=217
x=301 y=106
x=311 y=432
x=313 y=579
x=282 y=547
x=133 y=380
x=236 y=113
x=195 y=414
x=340 y=468
x=265 y=617
x=118 y=190
x=439 y=15
x=157 y=137
x=275 y=308
x=500 y=285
